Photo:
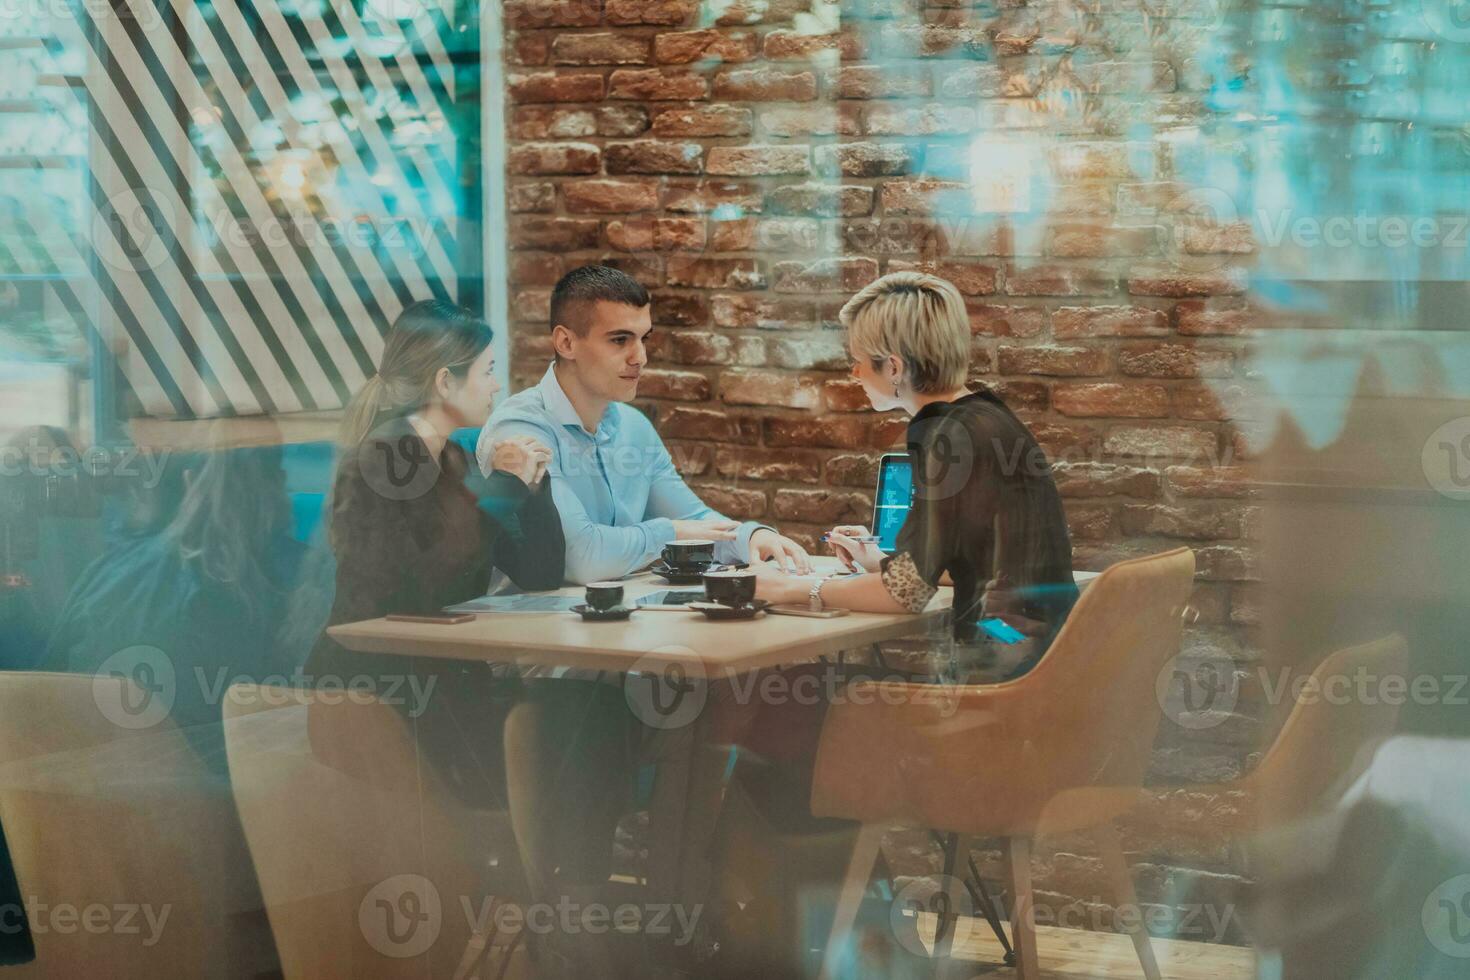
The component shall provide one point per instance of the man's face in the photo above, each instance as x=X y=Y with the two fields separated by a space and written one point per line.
x=610 y=359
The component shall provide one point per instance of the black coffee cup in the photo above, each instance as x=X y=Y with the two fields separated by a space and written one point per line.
x=603 y=596
x=690 y=554
x=733 y=588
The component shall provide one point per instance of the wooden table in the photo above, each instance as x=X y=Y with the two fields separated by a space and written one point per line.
x=654 y=642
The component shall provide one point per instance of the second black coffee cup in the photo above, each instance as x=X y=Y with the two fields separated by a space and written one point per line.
x=734 y=588
x=691 y=553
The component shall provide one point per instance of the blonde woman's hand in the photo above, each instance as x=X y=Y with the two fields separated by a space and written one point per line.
x=855 y=553
x=525 y=457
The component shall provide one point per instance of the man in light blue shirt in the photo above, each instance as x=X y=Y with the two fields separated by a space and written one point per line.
x=620 y=497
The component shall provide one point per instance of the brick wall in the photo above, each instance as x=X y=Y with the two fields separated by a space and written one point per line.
x=756 y=163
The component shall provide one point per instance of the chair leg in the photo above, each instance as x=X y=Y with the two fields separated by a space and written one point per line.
x=1121 y=875
x=1023 y=921
x=865 y=854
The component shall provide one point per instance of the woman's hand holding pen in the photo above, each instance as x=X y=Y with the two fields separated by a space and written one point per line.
x=856 y=546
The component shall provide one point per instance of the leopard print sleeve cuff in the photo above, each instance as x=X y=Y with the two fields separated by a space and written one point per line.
x=902 y=580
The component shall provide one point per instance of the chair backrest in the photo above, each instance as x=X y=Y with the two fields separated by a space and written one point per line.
x=127 y=849
x=1337 y=720
x=367 y=866
x=1001 y=759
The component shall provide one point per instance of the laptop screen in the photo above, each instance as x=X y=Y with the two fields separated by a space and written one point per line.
x=892 y=501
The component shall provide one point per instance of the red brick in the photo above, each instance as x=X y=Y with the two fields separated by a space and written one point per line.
x=1147 y=197
x=1060 y=440
x=530 y=49
x=922 y=195
x=609 y=196
x=760 y=11
x=702 y=273
x=1216 y=402
x=523 y=14
x=542 y=122
x=735 y=503
x=554 y=158
x=1058 y=361
x=769 y=388
x=825 y=275
x=680 y=385
x=680 y=309
x=536 y=196
x=1070 y=322
x=621 y=120
x=714 y=120
x=833 y=431
x=785 y=45
x=632 y=235
x=890 y=236
x=562 y=234
x=548 y=86
x=1194 y=318
x=1006 y=321
x=678 y=234
x=970 y=82
x=532 y=346
x=656 y=84
x=926 y=120
x=929 y=40
x=1232 y=238
x=1166 y=281
x=671 y=13
x=763 y=312
x=841 y=119
x=855 y=470
x=1087 y=198
x=1091 y=161
x=707 y=195
x=866 y=159
x=736 y=235
x=830 y=507
x=535 y=268
x=970 y=278
x=765 y=84
x=1021 y=396
x=1083 y=241
x=889 y=432
x=1197 y=522
x=683 y=47
x=1105 y=480
x=691 y=459
x=1209 y=481
x=758 y=161
x=1160 y=440
x=647 y=269
x=1088 y=522
x=779 y=465
x=600 y=49
x=822 y=199
x=1227 y=563
x=1107 y=399
x=712 y=425
x=845 y=395
x=653 y=157
x=703 y=347
x=890 y=81
x=825 y=351
x=532 y=304
x=1151 y=360
x=1058 y=280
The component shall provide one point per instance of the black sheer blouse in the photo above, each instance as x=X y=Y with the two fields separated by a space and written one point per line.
x=985 y=506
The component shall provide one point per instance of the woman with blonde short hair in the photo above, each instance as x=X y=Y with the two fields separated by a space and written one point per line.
x=986 y=515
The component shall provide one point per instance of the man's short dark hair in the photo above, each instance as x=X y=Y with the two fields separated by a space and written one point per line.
x=575 y=292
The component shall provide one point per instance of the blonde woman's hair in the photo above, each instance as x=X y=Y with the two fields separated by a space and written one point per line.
x=918 y=317
x=427 y=336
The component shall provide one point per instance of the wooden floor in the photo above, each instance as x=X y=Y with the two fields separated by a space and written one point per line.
x=1074 y=954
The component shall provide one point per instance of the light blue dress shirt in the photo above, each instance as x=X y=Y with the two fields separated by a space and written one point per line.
x=617 y=489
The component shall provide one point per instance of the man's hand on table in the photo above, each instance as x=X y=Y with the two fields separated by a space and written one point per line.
x=766 y=545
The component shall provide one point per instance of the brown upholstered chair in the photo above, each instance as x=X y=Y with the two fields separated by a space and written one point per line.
x=111 y=813
x=368 y=866
x=1063 y=748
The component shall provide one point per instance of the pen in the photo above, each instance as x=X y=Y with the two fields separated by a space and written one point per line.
x=866 y=537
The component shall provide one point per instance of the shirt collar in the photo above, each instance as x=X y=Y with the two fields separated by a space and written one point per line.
x=559 y=406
